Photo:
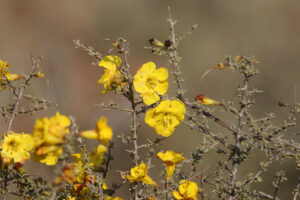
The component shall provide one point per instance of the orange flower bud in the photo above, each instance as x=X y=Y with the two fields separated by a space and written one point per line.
x=238 y=59
x=203 y=100
x=220 y=65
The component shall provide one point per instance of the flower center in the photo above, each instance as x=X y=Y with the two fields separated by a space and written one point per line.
x=166 y=120
x=13 y=145
x=151 y=83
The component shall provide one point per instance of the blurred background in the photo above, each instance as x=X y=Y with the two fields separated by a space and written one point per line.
x=269 y=30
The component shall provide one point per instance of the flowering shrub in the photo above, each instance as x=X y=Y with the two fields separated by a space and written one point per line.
x=84 y=175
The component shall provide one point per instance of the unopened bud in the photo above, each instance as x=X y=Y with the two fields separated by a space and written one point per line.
x=156 y=42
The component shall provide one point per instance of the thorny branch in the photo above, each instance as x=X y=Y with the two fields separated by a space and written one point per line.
x=35 y=66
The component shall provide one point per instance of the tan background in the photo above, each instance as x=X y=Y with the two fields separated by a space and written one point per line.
x=269 y=30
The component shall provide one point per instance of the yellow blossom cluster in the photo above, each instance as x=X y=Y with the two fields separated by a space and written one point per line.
x=76 y=171
x=45 y=141
x=188 y=190
x=150 y=83
x=49 y=136
x=140 y=173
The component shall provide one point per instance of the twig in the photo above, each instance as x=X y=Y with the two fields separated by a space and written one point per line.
x=199 y=127
x=89 y=50
x=131 y=98
x=237 y=135
x=108 y=161
x=287 y=143
x=35 y=65
x=212 y=117
x=297 y=192
x=114 y=108
x=278 y=181
x=174 y=58
x=267 y=196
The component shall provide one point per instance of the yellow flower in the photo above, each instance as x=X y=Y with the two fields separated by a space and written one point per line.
x=76 y=171
x=102 y=132
x=139 y=173
x=6 y=75
x=150 y=82
x=96 y=157
x=166 y=116
x=188 y=190
x=203 y=100
x=3 y=66
x=67 y=174
x=112 y=77
x=78 y=167
x=48 y=136
x=171 y=159
x=48 y=154
x=10 y=76
x=15 y=147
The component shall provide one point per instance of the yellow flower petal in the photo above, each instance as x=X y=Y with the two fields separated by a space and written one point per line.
x=96 y=157
x=62 y=120
x=150 y=98
x=146 y=69
x=102 y=132
x=162 y=88
x=161 y=74
x=106 y=76
x=110 y=62
x=90 y=134
x=12 y=77
x=177 y=195
x=170 y=170
x=164 y=106
x=50 y=158
x=147 y=180
x=178 y=109
x=188 y=190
